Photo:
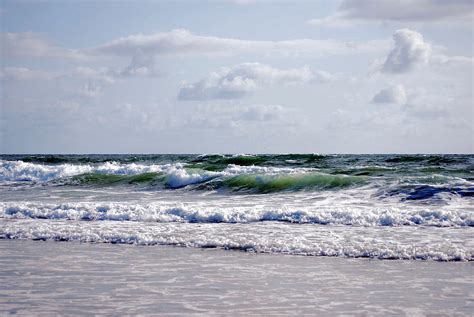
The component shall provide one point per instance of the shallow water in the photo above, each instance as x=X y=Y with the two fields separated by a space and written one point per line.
x=46 y=278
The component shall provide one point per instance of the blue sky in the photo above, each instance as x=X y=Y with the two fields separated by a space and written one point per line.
x=346 y=76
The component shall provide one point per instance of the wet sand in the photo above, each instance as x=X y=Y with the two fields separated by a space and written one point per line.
x=48 y=278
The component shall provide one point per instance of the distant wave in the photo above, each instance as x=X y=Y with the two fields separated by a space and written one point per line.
x=430 y=159
x=250 y=179
x=212 y=159
x=246 y=159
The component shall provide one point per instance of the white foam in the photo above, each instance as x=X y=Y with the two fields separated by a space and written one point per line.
x=442 y=244
x=132 y=168
x=179 y=177
x=25 y=171
x=177 y=174
x=205 y=212
x=233 y=169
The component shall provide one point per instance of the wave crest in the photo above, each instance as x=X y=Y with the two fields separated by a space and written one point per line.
x=262 y=183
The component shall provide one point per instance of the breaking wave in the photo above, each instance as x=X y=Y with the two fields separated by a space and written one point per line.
x=416 y=207
x=438 y=244
x=274 y=183
x=200 y=213
x=256 y=179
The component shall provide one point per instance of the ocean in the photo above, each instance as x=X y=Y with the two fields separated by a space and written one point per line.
x=405 y=207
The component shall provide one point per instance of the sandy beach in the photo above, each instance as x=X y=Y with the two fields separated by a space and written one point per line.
x=49 y=278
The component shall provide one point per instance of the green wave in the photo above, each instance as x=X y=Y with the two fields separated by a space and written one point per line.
x=274 y=183
x=256 y=183
x=109 y=179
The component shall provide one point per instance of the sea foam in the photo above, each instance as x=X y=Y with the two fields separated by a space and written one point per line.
x=440 y=244
x=204 y=213
x=178 y=174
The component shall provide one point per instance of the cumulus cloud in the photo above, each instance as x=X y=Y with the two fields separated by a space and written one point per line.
x=234 y=82
x=426 y=11
x=394 y=94
x=409 y=51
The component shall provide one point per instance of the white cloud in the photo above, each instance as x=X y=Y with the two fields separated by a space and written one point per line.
x=409 y=51
x=33 y=45
x=352 y=12
x=234 y=82
x=126 y=115
x=321 y=76
x=183 y=42
x=394 y=94
x=213 y=116
x=426 y=111
x=262 y=113
x=101 y=74
x=241 y=2
x=336 y=20
x=142 y=49
x=445 y=60
x=409 y=129
x=23 y=73
x=142 y=64
x=90 y=90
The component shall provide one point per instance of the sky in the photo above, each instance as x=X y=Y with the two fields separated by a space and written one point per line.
x=242 y=76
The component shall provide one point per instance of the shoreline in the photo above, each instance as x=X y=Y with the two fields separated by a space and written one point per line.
x=39 y=277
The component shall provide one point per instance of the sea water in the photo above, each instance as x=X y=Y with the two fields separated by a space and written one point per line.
x=410 y=207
